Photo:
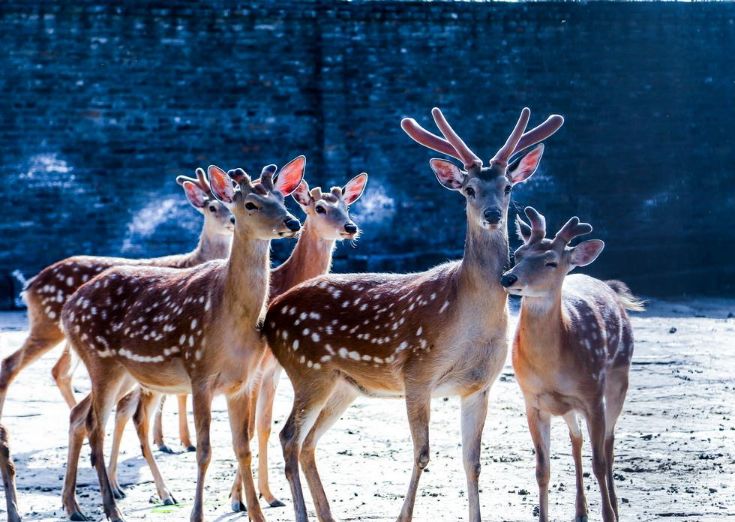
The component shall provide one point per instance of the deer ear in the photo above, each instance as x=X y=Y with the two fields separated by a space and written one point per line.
x=195 y=195
x=221 y=185
x=448 y=174
x=354 y=188
x=524 y=167
x=523 y=230
x=290 y=176
x=586 y=252
x=302 y=194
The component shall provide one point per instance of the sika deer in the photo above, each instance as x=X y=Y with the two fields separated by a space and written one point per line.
x=572 y=351
x=437 y=333
x=7 y=467
x=182 y=331
x=327 y=220
x=46 y=293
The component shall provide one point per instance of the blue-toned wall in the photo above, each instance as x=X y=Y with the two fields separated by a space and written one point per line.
x=104 y=103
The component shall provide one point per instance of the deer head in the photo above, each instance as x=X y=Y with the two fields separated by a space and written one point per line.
x=217 y=218
x=258 y=206
x=487 y=189
x=542 y=264
x=329 y=212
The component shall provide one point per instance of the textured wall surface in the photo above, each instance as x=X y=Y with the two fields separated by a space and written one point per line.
x=104 y=103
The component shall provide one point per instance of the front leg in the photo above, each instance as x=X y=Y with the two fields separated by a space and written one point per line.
x=539 y=423
x=202 y=399
x=474 y=411
x=575 y=435
x=418 y=405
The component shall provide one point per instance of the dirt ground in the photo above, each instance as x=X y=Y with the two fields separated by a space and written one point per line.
x=675 y=442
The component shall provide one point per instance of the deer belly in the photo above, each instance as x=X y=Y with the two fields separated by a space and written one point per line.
x=169 y=377
x=556 y=404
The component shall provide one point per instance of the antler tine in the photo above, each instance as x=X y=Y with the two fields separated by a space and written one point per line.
x=203 y=183
x=427 y=139
x=204 y=187
x=552 y=124
x=572 y=229
x=505 y=152
x=538 y=225
x=468 y=157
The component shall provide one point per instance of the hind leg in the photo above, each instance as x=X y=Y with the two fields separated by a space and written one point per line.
x=616 y=387
x=123 y=413
x=77 y=434
x=8 y=471
x=62 y=374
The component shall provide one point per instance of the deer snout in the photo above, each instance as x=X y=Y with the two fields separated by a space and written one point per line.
x=508 y=280
x=293 y=224
x=493 y=216
x=351 y=228
x=232 y=219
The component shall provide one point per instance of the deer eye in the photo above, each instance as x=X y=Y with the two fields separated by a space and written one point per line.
x=320 y=210
x=552 y=264
x=251 y=206
x=212 y=208
x=508 y=188
x=470 y=192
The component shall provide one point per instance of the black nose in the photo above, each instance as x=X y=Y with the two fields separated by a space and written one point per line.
x=351 y=228
x=293 y=224
x=492 y=216
x=232 y=219
x=508 y=280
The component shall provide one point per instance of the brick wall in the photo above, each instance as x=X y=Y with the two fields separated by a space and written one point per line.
x=104 y=103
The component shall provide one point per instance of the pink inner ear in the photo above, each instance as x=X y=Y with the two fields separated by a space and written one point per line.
x=301 y=194
x=290 y=176
x=194 y=194
x=527 y=166
x=586 y=252
x=353 y=189
x=448 y=173
x=221 y=184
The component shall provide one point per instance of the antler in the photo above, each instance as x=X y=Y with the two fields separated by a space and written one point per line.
x=552 y=124
x=538 y=225
x=506 y=151
x=572 y=229
x=200 y=181
x=451 y=146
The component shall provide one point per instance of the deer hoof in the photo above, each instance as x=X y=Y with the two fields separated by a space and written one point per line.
x=276 y=503
x=170 y=501
x=165 y=449
x=118 y=493
x=238 y=507
x=78 y=516
x=581 y=518
x=191 y=448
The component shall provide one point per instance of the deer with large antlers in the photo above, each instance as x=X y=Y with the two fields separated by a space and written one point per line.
x=327 y=221
x=182 y=331
x=46 y=293
x=418 y=336
x=572 y=351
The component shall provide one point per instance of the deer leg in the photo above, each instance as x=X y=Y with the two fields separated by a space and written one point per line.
x=104 y=394
x=77 y=434
x=123 y=413
x=474 y=411
x=308 y=402
x=184 y=435
x=616 y=387
x=575 y=435
x=597 y=429
x=238 y=407
x=539 y=424
x=419 y=407
x=62 y=374
x=158 y=428
x=332 y=411
x=202 y=399
x=33 y=348
x=8 y=471
x=264 y=421
x=147 y=407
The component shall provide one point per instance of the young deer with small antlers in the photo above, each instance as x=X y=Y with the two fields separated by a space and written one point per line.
x=572 y=351
x=327 y=221
x=418 y=336
x=46 y=293
x=182 y=331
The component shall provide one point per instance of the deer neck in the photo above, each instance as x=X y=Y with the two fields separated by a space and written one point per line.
x=540 y=326
x=485 y=258
x=311 y=257
x=211 y=246
x=246 y=279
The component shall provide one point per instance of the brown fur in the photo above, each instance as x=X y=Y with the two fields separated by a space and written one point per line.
x=7 y=467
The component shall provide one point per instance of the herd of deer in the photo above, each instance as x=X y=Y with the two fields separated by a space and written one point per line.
x=219 y=321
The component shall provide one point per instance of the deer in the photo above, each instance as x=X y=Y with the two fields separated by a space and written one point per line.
x=572 y=351
x=327 y=221
x=46 y=294
x=437 y=333
x=7 y=468
x=171 y=331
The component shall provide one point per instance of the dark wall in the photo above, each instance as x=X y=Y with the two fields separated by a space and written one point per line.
x=104 y=103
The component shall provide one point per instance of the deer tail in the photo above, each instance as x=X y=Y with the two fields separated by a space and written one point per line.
x=626 y=297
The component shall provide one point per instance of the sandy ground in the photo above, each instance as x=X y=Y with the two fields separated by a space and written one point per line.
x=676 y=442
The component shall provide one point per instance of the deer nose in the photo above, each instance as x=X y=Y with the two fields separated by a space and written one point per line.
x=351 y=228
x=492 y=216
x=292 y=224
x=232 y=219
x=508 y=279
